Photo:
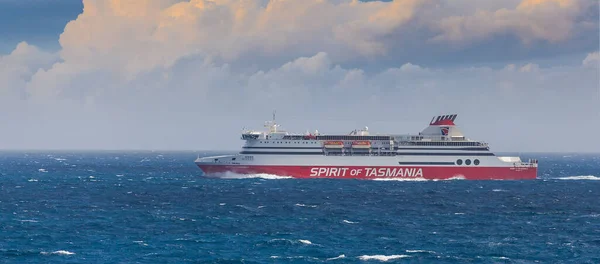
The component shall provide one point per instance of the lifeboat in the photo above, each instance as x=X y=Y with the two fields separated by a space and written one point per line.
x=361 y=144
x=333 y=144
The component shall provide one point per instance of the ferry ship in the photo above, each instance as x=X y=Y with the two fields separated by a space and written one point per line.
x=438 y=152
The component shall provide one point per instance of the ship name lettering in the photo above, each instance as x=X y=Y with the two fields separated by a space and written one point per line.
x=328 y=172
x=394 y=172
x=369 y=172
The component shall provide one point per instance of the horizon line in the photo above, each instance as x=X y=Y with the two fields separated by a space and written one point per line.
x=237 y=150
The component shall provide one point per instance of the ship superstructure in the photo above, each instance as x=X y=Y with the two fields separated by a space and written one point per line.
x=440 y=151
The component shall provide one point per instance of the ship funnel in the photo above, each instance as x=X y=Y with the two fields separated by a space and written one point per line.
x=443 y=120
x=443 y=125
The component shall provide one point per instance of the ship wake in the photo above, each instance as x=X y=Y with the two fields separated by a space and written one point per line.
x=233 y=175
x=400 y=179
x=582 y=177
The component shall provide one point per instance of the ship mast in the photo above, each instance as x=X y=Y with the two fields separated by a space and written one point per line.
x=272 y=125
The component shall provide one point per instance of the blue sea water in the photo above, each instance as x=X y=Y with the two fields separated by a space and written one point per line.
x=153 y=207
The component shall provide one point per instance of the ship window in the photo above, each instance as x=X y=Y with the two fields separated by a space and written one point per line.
x=459 y=162
x=468 y=162
x=476 y=162
x=232 y=158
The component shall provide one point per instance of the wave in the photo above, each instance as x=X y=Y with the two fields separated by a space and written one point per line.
x=400 y=179
x=338 y=257
x=382 y=257
x=588 y=177
x=58 y=252
x=285 y=241
x=28 y=221
x=304 y=241
x=304 y=205
x=233 y=175
x=453 y=178
x=419 y=251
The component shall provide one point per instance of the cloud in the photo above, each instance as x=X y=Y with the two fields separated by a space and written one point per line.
x=196 y=101
x=190 y=74
x=136 y=36
x=547 y=20
x=592 y=59
x=18 y=67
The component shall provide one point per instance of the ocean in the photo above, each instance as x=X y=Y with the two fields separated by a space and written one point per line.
x=153 y=207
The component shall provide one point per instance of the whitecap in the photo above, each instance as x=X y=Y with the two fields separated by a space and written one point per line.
x=338 y=257
x=58 y=252
x=307 y=242
x=304 y=205
x=278 y=239
x=32 y=180
x=583 y=177
x=498 y=190
x=140 y=242
x=42 y=170
x=382 y=257
x=292 y=257
x=28 y=221
x=591 y=215
x=349 y=222
x=419 y=251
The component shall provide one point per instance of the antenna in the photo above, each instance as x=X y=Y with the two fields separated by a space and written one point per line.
x=274 y=111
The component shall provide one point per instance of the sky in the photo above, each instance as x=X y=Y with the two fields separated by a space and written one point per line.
x=522 y=75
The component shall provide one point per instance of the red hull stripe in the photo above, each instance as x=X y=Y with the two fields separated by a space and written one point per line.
x=403 y=172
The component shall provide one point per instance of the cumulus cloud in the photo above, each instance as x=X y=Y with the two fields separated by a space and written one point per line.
x=136 y=36
x=197 y=101
x=18 y=67
x=548 y=20
x=592 y=59
x=181 y=74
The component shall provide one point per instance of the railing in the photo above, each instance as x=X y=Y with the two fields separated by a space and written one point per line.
x=387 y=154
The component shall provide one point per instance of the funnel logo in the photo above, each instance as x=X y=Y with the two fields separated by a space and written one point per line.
x=444 y=131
